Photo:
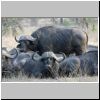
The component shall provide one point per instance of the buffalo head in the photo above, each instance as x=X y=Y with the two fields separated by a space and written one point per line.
x=26 y=42
x=50 y=63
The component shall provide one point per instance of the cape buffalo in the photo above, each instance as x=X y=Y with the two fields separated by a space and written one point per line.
x=60 y=39
x=7 y=61
x=85 y=64
x=14 y=60
x=89 y=63
x=70 y=67
x=43 y=66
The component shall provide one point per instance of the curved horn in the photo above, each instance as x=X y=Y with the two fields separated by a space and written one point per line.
x=16 y=39
x=59 y=59
x=51 y=54
x=19 y=37
x=4 y=52
x=7 y=54
x=24 y=37
x=14 y=52
x=64 y=56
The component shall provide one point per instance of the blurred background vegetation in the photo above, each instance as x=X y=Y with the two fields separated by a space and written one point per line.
x=15 y=26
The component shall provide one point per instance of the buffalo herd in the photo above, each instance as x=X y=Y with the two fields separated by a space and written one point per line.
x=51 y=52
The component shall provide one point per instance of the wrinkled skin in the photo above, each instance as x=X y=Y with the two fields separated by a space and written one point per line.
x=60 y=39
x=85 y=64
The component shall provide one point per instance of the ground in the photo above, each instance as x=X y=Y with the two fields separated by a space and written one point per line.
x=62 y=79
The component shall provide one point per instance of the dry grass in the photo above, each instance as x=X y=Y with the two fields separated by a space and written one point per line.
x=93 y=38
x=9 y=42
x=63 y=79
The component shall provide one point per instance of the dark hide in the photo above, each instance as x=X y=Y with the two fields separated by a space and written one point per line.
x=85 y=64
x=39 y=69
x=60 y=39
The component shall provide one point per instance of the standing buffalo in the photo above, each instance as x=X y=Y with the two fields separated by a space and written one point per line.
x=85 y=64
x=60 y=39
